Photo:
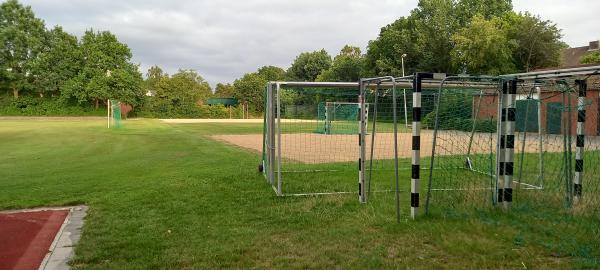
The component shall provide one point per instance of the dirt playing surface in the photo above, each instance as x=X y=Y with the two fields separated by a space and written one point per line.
x=313 y=148
x=25 y=237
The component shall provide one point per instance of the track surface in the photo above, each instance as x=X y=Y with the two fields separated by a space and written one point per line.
x=25 y=237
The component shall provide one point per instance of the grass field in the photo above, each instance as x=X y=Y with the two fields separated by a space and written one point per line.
x=166 y=196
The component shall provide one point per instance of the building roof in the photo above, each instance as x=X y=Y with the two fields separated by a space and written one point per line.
x=571 y=56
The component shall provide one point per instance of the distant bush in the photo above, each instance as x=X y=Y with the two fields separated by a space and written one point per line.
x=189 y=111
x=37 y=106
x=48 y=106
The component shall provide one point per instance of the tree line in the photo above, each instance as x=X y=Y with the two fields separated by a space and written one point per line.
x=452 y=36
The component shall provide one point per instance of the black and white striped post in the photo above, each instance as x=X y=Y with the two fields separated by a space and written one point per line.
x=509 y=151
x=500 y=154
x=577 y=185
x=361 y=142
x=416 y=141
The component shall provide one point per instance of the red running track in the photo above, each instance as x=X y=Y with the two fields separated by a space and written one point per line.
x=25 y=237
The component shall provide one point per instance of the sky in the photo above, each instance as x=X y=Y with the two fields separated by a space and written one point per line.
x=223 y=40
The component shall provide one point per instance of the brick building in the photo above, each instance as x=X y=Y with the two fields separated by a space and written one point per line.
x=553 y=110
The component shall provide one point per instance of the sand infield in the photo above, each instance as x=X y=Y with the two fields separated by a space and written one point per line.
x=313 y=148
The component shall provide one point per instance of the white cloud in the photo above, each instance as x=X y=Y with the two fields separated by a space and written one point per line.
x=225 y=39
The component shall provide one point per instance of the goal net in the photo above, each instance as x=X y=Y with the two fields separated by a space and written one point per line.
x=520 y=141
x=114 y=113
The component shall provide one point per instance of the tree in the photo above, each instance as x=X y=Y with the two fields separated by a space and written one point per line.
x=384 y=54
x=592 y=58
x=346 y=66
x=153 y=75
x=59 y=61
x=104 y=56
x=428 y=36
x=539 y=42
x=272 y=73
x=21 y=40
x=435 y=23
x=177 y=95
x=482 y=47
x=189 y=86
x=224 y=90
x=467 y=9
x=250 y=89
x=308 y=65
x=424 y=36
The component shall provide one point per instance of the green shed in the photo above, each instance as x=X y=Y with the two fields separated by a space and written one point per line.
x=223 y=101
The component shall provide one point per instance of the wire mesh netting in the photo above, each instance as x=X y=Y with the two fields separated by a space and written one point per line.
x=555 y=183
x=115 y=113
x=317 y=133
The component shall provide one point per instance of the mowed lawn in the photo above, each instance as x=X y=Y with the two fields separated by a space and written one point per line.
x=166 y=196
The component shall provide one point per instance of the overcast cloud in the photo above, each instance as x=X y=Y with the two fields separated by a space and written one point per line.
x=222 y=40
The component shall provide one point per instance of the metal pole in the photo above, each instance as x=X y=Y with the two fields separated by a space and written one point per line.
x=394 y=105
x=540 y=139
x=468 y=161
x=580 y=142
x=524 y=131
x=498 y=192
x=435 y=131
x=278 y=141
x=361 y=144
x=373 y=131
x=510 y=142
x=271 y=144
x=569 y=142
x=415 y=185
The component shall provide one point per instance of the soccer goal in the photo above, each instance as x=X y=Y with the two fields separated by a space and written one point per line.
x=113 y=118
x=473 y=142
x=522 y=138
x=312 y=137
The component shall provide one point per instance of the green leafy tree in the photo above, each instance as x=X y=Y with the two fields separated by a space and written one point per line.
x=424 y=36
x=435 y=23
x=308 y=65
x=153 y=76
x=59 y=61
x=189 y=86
x=272 y=73
x=250 y=89
x=591 y=58
x=346 y=66
x=178 y=95
x=104 y=56
x=384 y=54
x=21 y=40
x=483 y=47
x=467 y=9
x=538 y=41
x=224 y=90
